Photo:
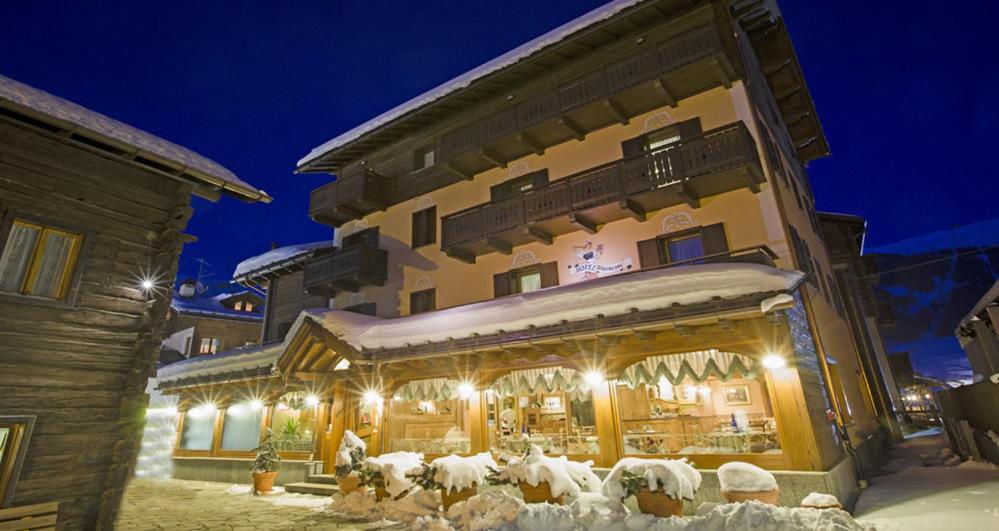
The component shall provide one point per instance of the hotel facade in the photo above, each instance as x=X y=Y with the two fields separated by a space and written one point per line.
x=603 y=242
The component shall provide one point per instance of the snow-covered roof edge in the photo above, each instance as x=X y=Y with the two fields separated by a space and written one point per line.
x=255 y=357
x=510 y=58
x=262 y=261
x=22 y=97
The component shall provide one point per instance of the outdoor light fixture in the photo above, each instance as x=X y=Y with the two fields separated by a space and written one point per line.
x=594 y=378
x=312 y=400
x=773 y=361
x=465 y=390
x=371 y=397
x=256 y=405
x=147 y=284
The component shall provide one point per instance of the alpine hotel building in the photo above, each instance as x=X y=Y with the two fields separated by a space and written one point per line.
x=603 y=242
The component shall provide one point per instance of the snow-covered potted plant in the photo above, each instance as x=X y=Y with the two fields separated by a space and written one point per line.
x=458 y=478
x=387 y=473
x=265 y=465
x=349 y=457
x=742 y=482
x=659 y=485
x=548 y=479
x=818 y=500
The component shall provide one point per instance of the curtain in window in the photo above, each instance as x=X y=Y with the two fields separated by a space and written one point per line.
x=17 y=256
x=686 y=249
x=241 y=427
x=530 y=282
x=57 y=251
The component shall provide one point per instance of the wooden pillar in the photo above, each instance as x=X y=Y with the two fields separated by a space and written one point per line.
x=479 y=436
x=337 y=424
x=606 y=417
x=794 y=425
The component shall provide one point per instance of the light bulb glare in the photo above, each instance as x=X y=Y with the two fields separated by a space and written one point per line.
x=773 y=361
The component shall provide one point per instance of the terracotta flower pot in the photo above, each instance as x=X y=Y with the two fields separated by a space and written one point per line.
x=450 y=499
x=263 y=482
x=539 y=494
x=766 y=496
x=658 y=503
x=820 y=507
x=349 y=483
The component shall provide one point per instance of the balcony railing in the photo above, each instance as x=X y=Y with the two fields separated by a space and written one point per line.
x=349 y=197
x=346 y=270
x=718 y=161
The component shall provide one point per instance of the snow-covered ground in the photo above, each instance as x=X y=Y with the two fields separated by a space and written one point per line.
x=914 y=497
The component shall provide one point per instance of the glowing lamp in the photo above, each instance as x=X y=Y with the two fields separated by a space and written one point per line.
x=371 y=397
x=312 y=400
x=465 y=390
x=773 y=361
x=147 y=284
x=256 y=405
x=594 y=378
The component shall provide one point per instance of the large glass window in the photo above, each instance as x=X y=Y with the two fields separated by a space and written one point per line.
x=705 y=402
x=293 y=420
x=430 y=416
x=241 y=426
x=551 y=408
x=199 y=426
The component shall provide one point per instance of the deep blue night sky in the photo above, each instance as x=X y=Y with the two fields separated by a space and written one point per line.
x=906 y=96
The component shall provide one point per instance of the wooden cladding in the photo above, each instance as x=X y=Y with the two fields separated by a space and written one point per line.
x=525 y=279
x=424 y=227
x=710 y=163
x=349 y=197
x=346 y=269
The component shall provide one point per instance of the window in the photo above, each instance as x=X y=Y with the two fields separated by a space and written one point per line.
x=238 y=306
x=836 y=384
x=38 y=260
x=423 y=157
x=683 y=246
x=423 y=301
x=187 y=345
x=661 y=139
x=241 y=427
x=248 y=306
x=210 y=345
x=15 y=433
x=199 y=428
x=293 y=421
x=519 y=185
x=424 y=227
x=525 y=279
x=430 y=416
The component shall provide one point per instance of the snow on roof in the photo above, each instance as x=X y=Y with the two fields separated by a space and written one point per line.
x=981 y=234
x=80 y=120
x=519 y=53
x=281 y=254
x=211 y=306
x=990 y=296
x=249 y=358
x=642 y=290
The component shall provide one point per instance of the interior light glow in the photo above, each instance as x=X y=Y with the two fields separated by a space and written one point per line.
x=256 y=405
x=704 y=390
x=465 y=390
x=594 y=378
x=204 y=410
x=371 y=397
x=773 y=361
x=312 y=400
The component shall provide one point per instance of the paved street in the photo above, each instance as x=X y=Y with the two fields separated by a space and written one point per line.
x=176 y=504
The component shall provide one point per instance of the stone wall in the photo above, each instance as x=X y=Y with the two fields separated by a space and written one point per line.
x=232 y=470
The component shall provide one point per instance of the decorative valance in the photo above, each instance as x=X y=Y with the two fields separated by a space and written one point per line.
x=548 y=380
x=697 y=366
x=429 y=389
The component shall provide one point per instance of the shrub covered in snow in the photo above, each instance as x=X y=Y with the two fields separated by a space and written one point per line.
x=563 y=476
x=454 y=473
x=390 y=470
x=744 y=477
x=675 y=477
x=350 y=454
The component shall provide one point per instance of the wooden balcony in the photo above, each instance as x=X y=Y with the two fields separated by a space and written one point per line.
x=718 y=161
x=350 y=197
x=657 y=75
x=346 y=270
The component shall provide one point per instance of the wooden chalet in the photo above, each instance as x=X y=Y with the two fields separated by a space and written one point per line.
x=91 y=218
x=603 y=242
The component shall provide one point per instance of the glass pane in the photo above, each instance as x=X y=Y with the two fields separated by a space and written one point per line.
x=16 y=257
x=663 y=141
x=685 y=249
x=708 y=417
x=430 y=427
x=57 y=253
x=293 y=423
x=241 y=427
x=198 y=428
x=560 y=423
x=531 y=282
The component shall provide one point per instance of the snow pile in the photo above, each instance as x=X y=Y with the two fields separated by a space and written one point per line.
x=748 y=515
x=394 y=467
x=744 y=477
x=675 y=477
x=493 y=509
x=348 y=444
x=615 y=295
x=360 y=504
x=419 y=503
x=769 y=303
x=563 y=476
x=457 y=473
x=820 y=501
x=546 y=517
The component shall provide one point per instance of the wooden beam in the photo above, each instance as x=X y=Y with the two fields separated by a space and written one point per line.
x=659 y=85
x=583 y=222
x=451 y=168
x=577 y=132
x=460 y=255
x=492 y=157
x=615 y=111
x=634 y=209
x=531 y=143
x=539 y=234
x=722 y=73
x=689 y=196
x=499 y=245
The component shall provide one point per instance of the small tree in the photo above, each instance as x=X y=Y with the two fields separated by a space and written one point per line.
x=267 y=459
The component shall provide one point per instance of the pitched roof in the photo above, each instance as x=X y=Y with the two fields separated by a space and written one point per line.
x=257 y=265
x=121 y=138
x=211 y=306
x=258 y=358
x=510 y=58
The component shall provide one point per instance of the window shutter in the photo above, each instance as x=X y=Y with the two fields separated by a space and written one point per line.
x=549 y=274
x=430 y=225
x=689 y=128
x=650 y=253
x=422 y=301
x=633 y=147
x=714 y=239
x=501 y=284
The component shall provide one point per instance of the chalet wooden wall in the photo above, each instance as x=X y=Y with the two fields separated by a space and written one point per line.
x=82 y=369
x=286 y=298
x=233 y=333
